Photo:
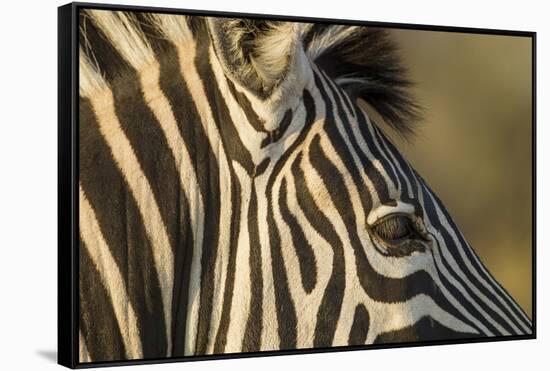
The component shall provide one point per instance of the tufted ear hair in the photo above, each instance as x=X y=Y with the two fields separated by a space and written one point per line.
x=256 y=53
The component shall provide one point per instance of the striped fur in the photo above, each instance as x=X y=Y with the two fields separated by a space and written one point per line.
x=214 y=220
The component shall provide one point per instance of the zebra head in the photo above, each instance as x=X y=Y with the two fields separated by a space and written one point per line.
x=361 y=249
x=234 y=196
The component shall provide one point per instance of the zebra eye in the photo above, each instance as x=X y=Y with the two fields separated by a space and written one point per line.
x=394 y=229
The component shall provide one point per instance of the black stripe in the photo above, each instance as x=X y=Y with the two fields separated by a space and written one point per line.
x=231 y=140
x=304 y=251
x=261 y=167
x=312 y=32
x=97 y=47
x=251 y=115
x=360 y=326
x=329 y=309
x=478 y=266
x=122 y=227
x=234 y=148
x=343 y=151
x=345 y=99
x=278 y=133
x=254 y=324
x=152 y=151
x=286 y=315
x=363 y=125
x=401 y=164
x=182 y=275
x=212 y=235
x=147 y=139
x=206 y=169
x=452 y=249
x=221 y=337
x=98 y=322
x=392 y=166
x=286 y=310
x=446 y=305
x=377 y=286
x=425 y=329
x=373 y=174
x=150 y=145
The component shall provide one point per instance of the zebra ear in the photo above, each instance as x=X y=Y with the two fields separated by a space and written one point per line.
x=256 y=53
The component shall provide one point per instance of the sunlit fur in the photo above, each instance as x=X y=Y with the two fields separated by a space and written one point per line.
x=217 y=218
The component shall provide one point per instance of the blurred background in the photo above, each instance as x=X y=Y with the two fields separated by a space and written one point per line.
x=473 y=145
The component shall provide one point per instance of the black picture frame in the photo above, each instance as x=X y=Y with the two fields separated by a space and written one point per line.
x=68 y=159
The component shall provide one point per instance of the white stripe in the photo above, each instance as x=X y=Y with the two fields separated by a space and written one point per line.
x=384 y=316
x=250 y=138
x=383 y=171
x=502 y=291
x=186 y=54
x=110 y=277
x=125 y=158
x=438 y=258
x=354 y=292
x=334 y=35
x=383 y=265
x=83 y=355
x=396 y=316
x=359 y=137
x=240 y=301
x=306 y=305
x=174 y=28
x=444 y=272
x=409 y=189
x=477 y=277
x=375 y=137
x=90 y=80
x=270 y=335
x=393 y=162
x=162 y=110
x=316 y=188
x=127 y=39
x=376 y=163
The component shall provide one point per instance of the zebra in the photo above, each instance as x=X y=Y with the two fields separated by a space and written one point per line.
x=235 y=197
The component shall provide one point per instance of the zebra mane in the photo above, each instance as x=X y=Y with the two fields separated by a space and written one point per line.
x=361 y=60
x=364 y=62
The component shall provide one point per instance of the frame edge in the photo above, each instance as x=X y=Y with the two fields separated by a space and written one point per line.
x=67 y=340
x=68 y=184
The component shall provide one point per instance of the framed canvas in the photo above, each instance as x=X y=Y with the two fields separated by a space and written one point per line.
x=235 y=185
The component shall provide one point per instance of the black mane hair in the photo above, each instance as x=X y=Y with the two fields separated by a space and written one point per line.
x=364 y=62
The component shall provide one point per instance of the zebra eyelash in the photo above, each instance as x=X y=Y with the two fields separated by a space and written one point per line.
x=399 y=234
